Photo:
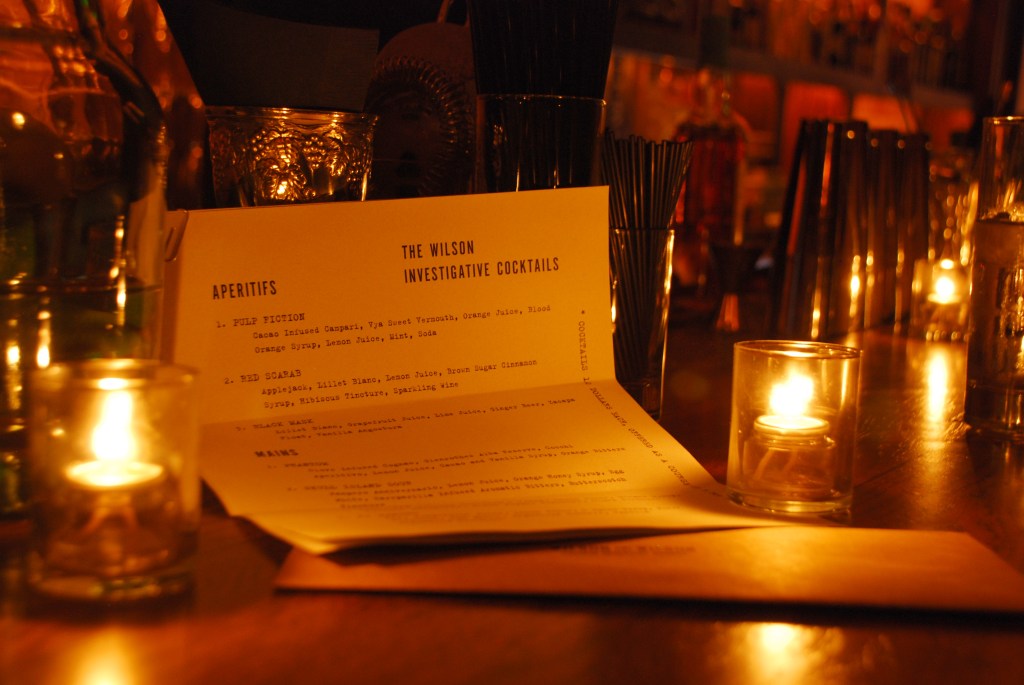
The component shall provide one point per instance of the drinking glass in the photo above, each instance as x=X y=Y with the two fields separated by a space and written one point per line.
x=994 y=400
x=83 y=149
x=537 y=142
x=279 y=155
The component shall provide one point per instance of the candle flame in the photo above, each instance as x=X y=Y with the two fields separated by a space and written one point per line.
x=792 y=397
x=945 y=288
x=112 y=438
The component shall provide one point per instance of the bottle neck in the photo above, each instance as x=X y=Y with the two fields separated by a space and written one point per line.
x=714 y=92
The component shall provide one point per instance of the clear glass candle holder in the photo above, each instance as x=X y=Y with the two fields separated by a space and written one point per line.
x=794 y=426
x=941 y=293
x=113 y=480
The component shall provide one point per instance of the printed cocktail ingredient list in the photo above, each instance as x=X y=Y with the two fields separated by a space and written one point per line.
x=435 y=369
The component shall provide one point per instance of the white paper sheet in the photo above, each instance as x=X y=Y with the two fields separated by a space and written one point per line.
x=437 y=368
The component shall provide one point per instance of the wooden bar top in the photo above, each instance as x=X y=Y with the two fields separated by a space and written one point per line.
x=916 y=468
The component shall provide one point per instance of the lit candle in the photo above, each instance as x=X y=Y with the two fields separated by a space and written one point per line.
x=788 y=402
x=114 y=445
x=104 y=475
x=945 y=288
x=941 y=293
x=791 y=452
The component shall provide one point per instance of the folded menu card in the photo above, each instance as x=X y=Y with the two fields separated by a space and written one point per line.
x=434 y=369
x=799 y=565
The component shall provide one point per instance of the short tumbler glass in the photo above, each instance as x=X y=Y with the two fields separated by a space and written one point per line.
x=794 y=426
x=113 y=480
x=278 y=155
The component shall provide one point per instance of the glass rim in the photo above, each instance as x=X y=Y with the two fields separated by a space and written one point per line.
x=1000 y=121
x=233 y=112
x=556 y=97
x=629 y=230
x=798 y=349
x=135 y=373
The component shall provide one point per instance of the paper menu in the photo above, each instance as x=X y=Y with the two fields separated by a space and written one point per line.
x=424 y=472
x=428 y=369
x=333 y=306
x=894 y=569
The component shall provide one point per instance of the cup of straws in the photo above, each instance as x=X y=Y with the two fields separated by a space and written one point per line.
x=644 y=179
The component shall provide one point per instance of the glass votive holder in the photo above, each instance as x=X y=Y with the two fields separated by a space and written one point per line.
x=794 y=426
x=278 y=155
x=939 y=300
x=113 y=480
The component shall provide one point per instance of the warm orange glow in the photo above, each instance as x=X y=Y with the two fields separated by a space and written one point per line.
x=43 y=342
x=113 y=438
x=114 y=445
x=945 y=290
x=938 y=385
x=792 y=396
x=105 y=660
x=789 y=653
x=808 y=101
x=883 y=112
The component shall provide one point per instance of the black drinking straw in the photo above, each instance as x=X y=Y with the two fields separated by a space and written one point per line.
x=644 y=179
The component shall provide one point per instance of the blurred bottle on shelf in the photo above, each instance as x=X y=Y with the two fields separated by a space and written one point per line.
x=710 y=208
x=927 y=44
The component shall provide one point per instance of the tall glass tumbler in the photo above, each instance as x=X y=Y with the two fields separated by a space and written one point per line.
x=641 y=267
x=994 y=401
x=537 y=142
x=542 y=46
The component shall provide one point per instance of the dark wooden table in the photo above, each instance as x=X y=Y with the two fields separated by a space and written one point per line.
x=916 y=468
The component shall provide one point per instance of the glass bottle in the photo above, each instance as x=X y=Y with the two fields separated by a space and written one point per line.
x=710 y=206
x=82 y=169
x=994 y=397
